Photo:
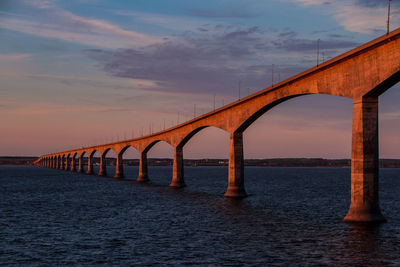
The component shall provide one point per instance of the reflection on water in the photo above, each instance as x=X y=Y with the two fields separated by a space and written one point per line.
x=292 y=217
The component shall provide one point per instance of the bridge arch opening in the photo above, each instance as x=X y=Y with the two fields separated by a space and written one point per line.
x=93 y=162
x=299 y=133
x=84 y=155
x=160 y=156
x=63 y=159
x=110 y=158
x=68 y=162
x=206 y=154
x=389 y=128
x=389 y=147
x=130 y=162
x=74 y=162
x=96 y=161
x=58 y=161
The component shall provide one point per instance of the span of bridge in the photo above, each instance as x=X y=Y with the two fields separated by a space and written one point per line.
x=361 y=74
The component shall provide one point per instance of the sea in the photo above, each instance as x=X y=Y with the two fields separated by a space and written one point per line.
x=292 y=217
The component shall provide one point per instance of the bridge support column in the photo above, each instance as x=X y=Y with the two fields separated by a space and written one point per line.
x=90 y=165
x=236 y=167
x=103 y=166
x=364 y=205
x=73 y=167
x=143 y=175
x=80 y=164
x=66 y=164
x=62 y=164
x=56 y=163
x=119 y=167
x=177 y=172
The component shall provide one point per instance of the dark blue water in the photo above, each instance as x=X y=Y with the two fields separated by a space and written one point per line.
x=293 y=217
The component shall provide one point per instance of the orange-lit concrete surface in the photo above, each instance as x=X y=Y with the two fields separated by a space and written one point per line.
x=361 y=74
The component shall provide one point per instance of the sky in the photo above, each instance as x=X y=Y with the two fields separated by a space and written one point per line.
x=85 y=72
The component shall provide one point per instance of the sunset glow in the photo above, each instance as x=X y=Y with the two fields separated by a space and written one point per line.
x=80 y=73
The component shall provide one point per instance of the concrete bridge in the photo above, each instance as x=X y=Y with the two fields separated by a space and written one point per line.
x=361 y=74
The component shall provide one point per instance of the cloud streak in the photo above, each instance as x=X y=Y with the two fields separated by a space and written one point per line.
x=14 y=57
x=361 y=16
x=56 y=23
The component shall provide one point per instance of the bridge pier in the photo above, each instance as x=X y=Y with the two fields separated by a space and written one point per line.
x=103 y=167
x=236 y=167
x=73 y=168
x=119 y=167
x=364 y=205
x=62 y=164
x=80 y=164
x=143 y=174
x=177 y=169
x=66 y=164
x=90 y=165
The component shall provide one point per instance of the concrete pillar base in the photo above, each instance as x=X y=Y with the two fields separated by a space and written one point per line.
x=177 y=184
x=119 y=167
x=177 y=169
x=235 y=192
x=103 y=174
x=365 y=215
x=142 y=179
x=236 y=168
x=119 y=175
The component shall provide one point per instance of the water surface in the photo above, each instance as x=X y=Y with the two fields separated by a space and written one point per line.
x=293 y=216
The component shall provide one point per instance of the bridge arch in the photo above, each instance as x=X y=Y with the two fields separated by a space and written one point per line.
x=67 y=161
x=143 y=175
x=150 y=145
x=57 y=157
x=103 y=160
x=188 y=136
x=246 y=122
x=125 y=148
x=63 y=162
x=120 y=152
x=90 y=169
x=82 y=157
x=73 y=161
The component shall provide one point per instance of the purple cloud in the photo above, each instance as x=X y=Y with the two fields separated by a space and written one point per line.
x=208 y=63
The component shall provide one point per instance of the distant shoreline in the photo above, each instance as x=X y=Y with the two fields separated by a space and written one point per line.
x=273 y=162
